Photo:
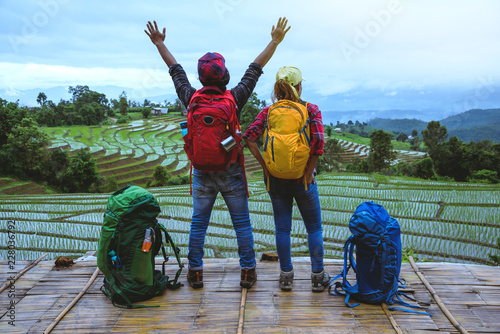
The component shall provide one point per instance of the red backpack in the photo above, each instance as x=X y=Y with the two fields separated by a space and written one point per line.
x=211 y=121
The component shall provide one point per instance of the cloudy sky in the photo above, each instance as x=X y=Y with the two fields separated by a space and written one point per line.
x=340 y=45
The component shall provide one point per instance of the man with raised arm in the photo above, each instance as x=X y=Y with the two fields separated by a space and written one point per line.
x=207 y=181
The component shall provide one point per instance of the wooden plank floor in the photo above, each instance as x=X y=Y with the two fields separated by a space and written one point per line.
x=470 y=292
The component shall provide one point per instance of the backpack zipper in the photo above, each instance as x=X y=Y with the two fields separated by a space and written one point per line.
x=272 y=147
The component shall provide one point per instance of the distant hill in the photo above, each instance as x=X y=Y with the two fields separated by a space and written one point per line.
x=398 y=125
x=478 y=133
x=476 y=124
x=472 y=118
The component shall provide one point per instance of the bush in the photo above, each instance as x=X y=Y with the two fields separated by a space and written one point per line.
x=405 y=169
x=424 y=168
x=107 y=121
x=359 y=165
x=436 y=177
x=178 y=180
x=146 y=112
x=391 y=171
x=111 y=186
x=123 y=119
x=485 y=176
x=161 y=176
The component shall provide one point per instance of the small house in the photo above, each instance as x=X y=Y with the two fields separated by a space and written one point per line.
x=159 y=111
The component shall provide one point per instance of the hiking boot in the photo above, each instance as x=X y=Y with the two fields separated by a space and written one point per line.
x=195 y=278
x=286 y=280
x=248 y=278
x=319 y=281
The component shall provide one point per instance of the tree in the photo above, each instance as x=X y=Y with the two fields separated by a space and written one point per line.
x=328 y=130
x=123 y=105
x=359 y=165
x=10 y=116
x=415 y=143
x=92 y=113
x=46 y=115
x=88 y=107
x=176 y=107
x=115 y=104
x=81 y=173
x=414 y=133
x=146 y=112
x=402 y=137
x=329 y=159
x=26 y=147
x=41 y=99
x=250 y=111
x=423 y=168
x=434 y=135
x=56 y=167
x=5 y=121
x=381 y=151
x=78 y=91
x=161 y=176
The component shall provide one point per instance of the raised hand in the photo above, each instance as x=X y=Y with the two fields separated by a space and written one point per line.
x=278 y=33
x=154 y=34
x=157 y=38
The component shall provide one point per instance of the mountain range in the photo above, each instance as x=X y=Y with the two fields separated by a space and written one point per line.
x=361 y=104
x=475 y=124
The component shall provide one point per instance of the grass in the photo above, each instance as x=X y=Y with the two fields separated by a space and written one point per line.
x=467 y=229
x=468 y=232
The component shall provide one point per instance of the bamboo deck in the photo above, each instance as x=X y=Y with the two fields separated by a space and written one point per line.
x=470 y=292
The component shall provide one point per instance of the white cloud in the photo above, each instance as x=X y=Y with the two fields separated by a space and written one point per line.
x=28 y=76
x=102 y=43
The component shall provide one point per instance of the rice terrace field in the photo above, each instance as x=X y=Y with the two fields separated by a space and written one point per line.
x=440 y=221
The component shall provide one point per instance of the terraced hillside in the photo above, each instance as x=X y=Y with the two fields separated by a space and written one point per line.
x=439 y=220
x=358 y=150
x=128 y=153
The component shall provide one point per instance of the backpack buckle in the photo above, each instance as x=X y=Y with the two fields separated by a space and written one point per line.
x=115 y=259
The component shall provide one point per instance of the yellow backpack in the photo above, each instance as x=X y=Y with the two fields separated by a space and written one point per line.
x=286 y=139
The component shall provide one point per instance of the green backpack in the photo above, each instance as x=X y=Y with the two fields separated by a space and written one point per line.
x=130 y=239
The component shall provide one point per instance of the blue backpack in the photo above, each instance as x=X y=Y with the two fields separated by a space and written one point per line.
x=376 y=240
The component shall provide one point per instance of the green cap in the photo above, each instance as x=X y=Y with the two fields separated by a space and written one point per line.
x=290 y=74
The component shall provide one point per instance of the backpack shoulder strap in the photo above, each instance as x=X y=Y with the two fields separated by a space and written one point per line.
x=206 y=89
x=346 y=287
x=214 y=92
x=174 y=284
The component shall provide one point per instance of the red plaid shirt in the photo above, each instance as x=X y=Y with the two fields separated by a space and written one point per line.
x=258 y=126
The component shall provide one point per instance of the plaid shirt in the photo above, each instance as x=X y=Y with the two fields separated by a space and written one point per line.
x=315 y=121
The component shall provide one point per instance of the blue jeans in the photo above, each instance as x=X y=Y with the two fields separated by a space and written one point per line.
x=206 y=186
x=282 y=194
